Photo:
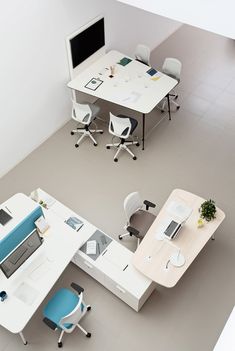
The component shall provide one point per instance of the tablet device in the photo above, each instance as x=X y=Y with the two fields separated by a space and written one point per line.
x=172 y=230
x=151 y=72
x=4 y=217
x=124 y=61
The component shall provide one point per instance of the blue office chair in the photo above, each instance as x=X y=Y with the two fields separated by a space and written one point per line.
x=64 y=310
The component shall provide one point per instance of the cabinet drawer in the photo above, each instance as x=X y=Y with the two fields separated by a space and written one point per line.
x=88 y=267
x=118 y=290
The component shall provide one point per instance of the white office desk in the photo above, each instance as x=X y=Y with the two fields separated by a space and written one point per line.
x=152 y=256
x=112 y=268
x=42 y=269
x=130 y=87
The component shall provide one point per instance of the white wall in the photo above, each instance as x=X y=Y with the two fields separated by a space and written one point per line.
x=127 y=26
x=213 y=15
x=34 y=100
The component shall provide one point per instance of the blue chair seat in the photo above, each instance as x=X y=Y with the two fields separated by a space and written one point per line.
x=60 y=305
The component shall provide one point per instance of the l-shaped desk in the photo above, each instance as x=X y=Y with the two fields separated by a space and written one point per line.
x=131 y=86
x=30 y=282
x=130 y=276
x=29 y=285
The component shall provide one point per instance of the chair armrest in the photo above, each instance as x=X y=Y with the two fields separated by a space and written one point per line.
x=50 y=324
x=133 y=231
x=77 y=288
x=149 y=204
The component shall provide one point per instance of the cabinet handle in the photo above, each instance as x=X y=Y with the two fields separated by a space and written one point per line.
x=120 y=289
x=88 y=264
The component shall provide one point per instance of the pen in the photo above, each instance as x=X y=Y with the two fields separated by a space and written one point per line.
x=167 y=264
x=8 y=209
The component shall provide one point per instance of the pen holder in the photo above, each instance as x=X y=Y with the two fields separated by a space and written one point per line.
x=112 y=71
x=3 y=295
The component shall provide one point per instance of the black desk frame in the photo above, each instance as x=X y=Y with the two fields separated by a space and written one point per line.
x=143 y=119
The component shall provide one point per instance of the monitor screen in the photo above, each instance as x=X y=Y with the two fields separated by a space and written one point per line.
x=87 y=42
x=4 y=217
x=18 y=256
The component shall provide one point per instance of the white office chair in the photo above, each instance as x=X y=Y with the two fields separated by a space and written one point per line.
x=139 y=219
x=85 y=114
x=142 y=54
x=172 y=67
x=122 y=127
x=64 y=310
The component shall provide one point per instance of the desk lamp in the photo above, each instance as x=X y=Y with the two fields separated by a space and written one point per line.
x=177 y=259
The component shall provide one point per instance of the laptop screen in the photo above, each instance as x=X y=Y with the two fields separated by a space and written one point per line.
x=18 y=256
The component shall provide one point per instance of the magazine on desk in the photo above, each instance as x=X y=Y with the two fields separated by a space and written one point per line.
x=74 y=223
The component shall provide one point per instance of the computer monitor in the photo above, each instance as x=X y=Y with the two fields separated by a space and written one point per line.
x=87 y=42
x=21 y=253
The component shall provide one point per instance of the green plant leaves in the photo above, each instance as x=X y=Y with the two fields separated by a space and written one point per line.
x=208 y=210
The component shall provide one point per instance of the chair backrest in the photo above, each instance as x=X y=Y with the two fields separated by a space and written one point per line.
x=172 y=67
x=142 y=53
x=73 y=317
x=132 y=203
x=120 y=127
x=81 y=112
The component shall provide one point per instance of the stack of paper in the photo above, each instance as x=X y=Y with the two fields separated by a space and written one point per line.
x=91 y=247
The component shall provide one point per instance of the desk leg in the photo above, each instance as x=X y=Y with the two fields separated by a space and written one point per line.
x=143 y=131
x=23 y=338
x=169 y=106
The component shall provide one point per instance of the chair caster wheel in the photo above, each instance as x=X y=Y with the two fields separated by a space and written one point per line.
x=176 y=97
x=119 y=237
x=95 y=144
x=72 y=133
x=138 y=144
x=60 y=344
x=26 y=343
x=76 y=145
x=178 y=107
x=108 y=147
x=162 y=111
x=115 y=160
x=88 y=308
x=101 y=132
x=88 y=335
x=134 y=158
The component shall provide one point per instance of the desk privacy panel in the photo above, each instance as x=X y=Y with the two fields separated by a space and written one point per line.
x=19 y=233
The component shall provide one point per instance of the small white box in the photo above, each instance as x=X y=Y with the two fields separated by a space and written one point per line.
x=41 y=224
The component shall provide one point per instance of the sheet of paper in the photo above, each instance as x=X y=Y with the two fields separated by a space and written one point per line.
x=26 y=293
x=91 y=247
x=179 y=209
x=129 y=97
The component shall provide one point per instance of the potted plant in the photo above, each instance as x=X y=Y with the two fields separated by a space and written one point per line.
x=208 y=210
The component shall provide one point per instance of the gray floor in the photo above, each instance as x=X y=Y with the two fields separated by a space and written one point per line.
x=195 y=151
